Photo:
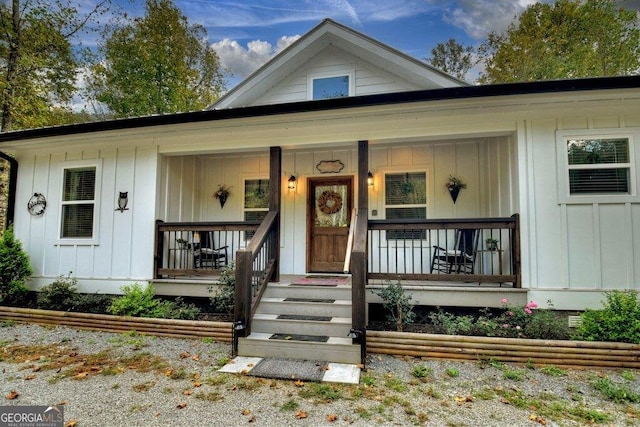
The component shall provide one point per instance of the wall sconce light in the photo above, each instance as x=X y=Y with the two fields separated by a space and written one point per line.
x=292 y=183
x=370 y=179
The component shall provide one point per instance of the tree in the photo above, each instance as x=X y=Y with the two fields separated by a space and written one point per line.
x=567 y=39
x=452 y=58
x=156 y=64
x=37 y=60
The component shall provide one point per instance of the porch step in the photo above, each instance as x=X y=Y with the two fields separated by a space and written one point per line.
x=323 y=348
x=284 y=290
x=305 y=322
x=306 y=306
x=301 y=324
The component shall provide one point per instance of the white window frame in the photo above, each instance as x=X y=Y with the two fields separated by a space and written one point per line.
x=311 y=78
x=427 y=176
x=94 y=239
x=563 y=167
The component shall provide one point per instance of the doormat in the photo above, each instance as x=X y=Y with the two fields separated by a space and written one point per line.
x=322 y=281
x=286 y=369
x=294 y=337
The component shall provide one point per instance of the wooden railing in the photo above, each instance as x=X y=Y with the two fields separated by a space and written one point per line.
x=405 y=250
x=358 y=268
x=255 y=266
x=193 y=249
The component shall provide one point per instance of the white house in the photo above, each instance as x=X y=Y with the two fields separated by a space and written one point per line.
x=551 y=173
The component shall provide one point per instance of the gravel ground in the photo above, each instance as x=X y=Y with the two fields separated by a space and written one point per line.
x=106 y=379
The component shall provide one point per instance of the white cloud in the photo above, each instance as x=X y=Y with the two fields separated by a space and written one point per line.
x=479 y=17
x=241 y=61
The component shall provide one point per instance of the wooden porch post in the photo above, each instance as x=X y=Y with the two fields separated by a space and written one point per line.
x=158 y=250
x=359 y=255
x=275 y=203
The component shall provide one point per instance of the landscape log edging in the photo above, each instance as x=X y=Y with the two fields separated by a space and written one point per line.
x=175 y=328
x=577 y=354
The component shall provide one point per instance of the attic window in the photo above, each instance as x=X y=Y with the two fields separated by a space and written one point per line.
x=330 y=87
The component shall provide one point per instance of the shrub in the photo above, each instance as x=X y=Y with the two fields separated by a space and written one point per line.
x=141 y=302
x=60 y=295
x=14 y=269
x=397 y=303
x=452 y=324
x=93 y=303
x=618 y=321
x=224 y=300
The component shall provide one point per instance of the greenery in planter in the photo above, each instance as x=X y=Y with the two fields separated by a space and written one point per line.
x=141 y=302
x=397 y=302
x=618 y=321
x=510 y=322
x=223 y=301
x=59 y=295
x=14 y=270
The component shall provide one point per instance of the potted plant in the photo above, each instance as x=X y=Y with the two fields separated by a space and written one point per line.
x=222 y=194
x=454 y=185
x=491 y=243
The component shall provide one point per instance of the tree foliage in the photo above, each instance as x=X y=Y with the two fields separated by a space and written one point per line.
x=452 y=58
x=14 y=269
x=37 y=60
x=156 y=64
x=567 y=39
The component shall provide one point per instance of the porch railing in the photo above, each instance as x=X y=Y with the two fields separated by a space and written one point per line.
x=192 y=249
x=405 y=249
x=255 y=266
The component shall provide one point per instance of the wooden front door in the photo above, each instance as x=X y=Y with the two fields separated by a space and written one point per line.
x=328 y=218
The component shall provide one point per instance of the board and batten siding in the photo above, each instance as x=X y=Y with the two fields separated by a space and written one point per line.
x=333 y=62
x=123 y=251
x=588 y=246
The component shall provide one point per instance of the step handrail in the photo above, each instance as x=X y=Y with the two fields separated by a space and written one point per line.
x=352 y=228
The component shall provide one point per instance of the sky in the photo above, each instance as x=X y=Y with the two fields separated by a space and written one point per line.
x=246 y=34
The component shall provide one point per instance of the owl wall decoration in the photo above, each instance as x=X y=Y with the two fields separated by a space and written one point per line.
x=123 y=200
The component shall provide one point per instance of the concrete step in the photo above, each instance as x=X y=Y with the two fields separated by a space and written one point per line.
x=335 y=349
x=337 y=308
x=283 y=290
x=334 y=327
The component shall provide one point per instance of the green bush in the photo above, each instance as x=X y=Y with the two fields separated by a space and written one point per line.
x=224 y=299
x=14 y=269
x=618 y=321
x=141 y=302
x=93 y=303
x=397 y=303
x=60 y=295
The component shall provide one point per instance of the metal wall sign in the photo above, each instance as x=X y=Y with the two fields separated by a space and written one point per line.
x=330 y=166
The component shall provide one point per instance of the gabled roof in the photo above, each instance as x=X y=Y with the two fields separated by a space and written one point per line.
x=330 y=32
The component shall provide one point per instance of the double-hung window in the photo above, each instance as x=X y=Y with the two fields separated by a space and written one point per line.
x=256 y=201
x=79 y=201
x=596 y=168
x=405 y=197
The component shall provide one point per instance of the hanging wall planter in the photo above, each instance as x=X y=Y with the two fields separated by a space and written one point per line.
x=222 y=194
x=454 y=185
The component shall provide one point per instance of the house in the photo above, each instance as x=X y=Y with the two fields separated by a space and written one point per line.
x=342 y=147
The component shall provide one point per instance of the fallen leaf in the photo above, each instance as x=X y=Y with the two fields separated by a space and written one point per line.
x=36 y=369
x=196 y=376
x=288 y=337
x=29 y=377
x=13 y=395
x=250 y=365
x=187 y=392
x=246 y=412
x=301 y=415
x=157 y=414
x=197 y=384
x=167 y=373
x=71 y=423
x=184 y=355
x=360 y=366
x=80 y=376
x=244 y=372
x=332 y=417
x=64 y=402
x=252 y=419
x=298 y=383
x=182 y=405
x=196 y=358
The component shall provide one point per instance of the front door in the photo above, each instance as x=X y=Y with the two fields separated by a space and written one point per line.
x=328 y=218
